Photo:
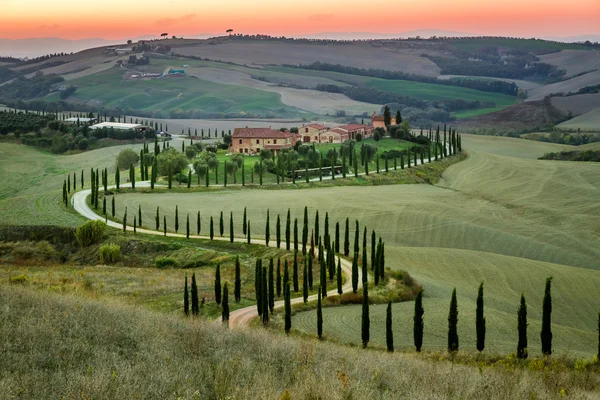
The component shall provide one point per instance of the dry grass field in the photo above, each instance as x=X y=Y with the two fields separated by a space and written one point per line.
x=588 y=122
x=568 y=86
x=573 y=61
x=579 y=104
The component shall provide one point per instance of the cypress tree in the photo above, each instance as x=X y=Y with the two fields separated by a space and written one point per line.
x=82 y=178
x=286 y=272
x=305 y=282
x=364 y=259
x=337 y=238
x=323 y=278
x=480 y=320
x=319 y=316
x=296 y=234
x=198 y=223
x=257 y=289
x=355 y=273
x=225 y=305
x=140 y=215
x=389 y=333
x=310 y=273
x=339 y=277
x=326 y=238
x=331 y=262
x=316 y=235
x=231 y=226
x=267 y=229
x=170 y=177
x=195 y=308
x=125 y=222
x=278 y=231
x=347 y=238
x=134 y=224
x=295 y=272
x=212 y=228
x=221 y=225
x=68 y=183
x=113 y=207
x=271 y=286
x=249 y=236
x=218 y=284
x=176 y=219
x=189 y=182
x=373 y=251
x=546 y=334
x=118 y=178
x=237 y=288
x=187 y=226
x=365 y=317
x=278 y=282
x=287 y=230
x=165 y=224
x=453 y=324
x=305 y=231
x=418 y=325
x=287 y=308
x=104 y=206
x=244 y=222
x=522 y=328
x=186 y=298
x=264 y=297
x=156 y=218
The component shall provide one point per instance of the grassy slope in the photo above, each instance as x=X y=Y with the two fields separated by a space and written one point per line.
x=530 y=215
x=528 y=44
x=107 y=350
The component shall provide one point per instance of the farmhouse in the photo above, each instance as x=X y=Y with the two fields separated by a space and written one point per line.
x=253 y=140
x=377 y=121
x=345 y=132
x=138 y=128
x=84 y=121
x=310 y=133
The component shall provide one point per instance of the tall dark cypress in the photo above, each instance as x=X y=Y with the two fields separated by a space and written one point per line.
x=231 y=227
x=218 y=284
x=418 y=324
x=212 y=228
x=278 y=280
x=249 y=236
x=356 y=238
x=331 y=262
x=389 y=333
x=326 y=237
x=113 y=208
x=337 y=238
x=453 y=324
x=267 y=229
x=366 y=322
x=257 y=286
x=295 y=273
x=310 y=273
x=355 y=273
x=546 y=334
x=195 y=308
x=165 y=225
x=339 y=277
x=278 y=231
x=221 y=225
x=373 y=250
x=323 y=278
x=296 y=234
x=305 y=230
x=186 y=298
x=347 y=238
x=244 y=222
x=287 y=308
x=287 y=230
x=480 y=320
x=237 y=289
x=265 y=296
x=316 y=229
x=140 y=215
x=104 y=206
x=176 y=219
x=319 y=315
x=522 y=328
x=225 y=305
x=364 y=258
x=305 y=282
x=271 y=286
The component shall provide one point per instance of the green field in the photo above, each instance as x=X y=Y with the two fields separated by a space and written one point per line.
x=531 y=219
x=533 y=45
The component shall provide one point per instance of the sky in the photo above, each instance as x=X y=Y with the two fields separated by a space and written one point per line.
x=118 y=19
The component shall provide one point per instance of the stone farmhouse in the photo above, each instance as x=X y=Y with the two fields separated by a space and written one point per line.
x=345 y=132
x=310 y=133
x=377 y=121
x=253 y=140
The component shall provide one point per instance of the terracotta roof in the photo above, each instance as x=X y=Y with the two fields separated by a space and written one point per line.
x=317 y=126
x=260 y=133
x=378 y=118
x=338 y=130
x=353 y=127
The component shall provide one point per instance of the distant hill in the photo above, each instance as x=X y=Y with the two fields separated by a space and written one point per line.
x=36 y=47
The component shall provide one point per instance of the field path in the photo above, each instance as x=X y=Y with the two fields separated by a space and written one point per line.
x=239 y=318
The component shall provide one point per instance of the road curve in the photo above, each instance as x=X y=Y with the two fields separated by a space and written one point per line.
x=239 y=318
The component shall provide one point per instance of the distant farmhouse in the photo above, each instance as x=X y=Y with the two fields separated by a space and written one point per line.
x=138 y=128
x=378 y=121
x=78 y=120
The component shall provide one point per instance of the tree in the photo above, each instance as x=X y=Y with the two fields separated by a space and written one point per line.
x=398 y=117
x=271 y=286
x=212 y=228
x=317 y=225
x=326 y=238
x=165 y=225
x=244 y=222
x=339 y=277
x=187 y=226
x=131 y=176
x=295 y=273
x=126 y=158
x=305 y=282
x=453 y=324
x=356 y=238
x=522 y=328
x=225 y=305
x=387 y=116
x=305 y=230
x=347 y=238
x=287 y=231
x=546 y=334
x=264 y=297
x=249 y=237
x=389 y=333
x=355 y=273
x=319 y=316
x=218 y=284
x=176 y=219
x=418 y=325
x=287 y=308
x=278 y=232
x=170 y=162
x=257 y=289
x=337 y=238
x=296 y=234
x=195 y=308
x=221 y=225
x=186 y=298
x=140 y=215
x=198 y=223
x=480 y=320
x=373 y=251
x=113 y=207
x=118 y=178
x=267 y=230
x=237 y=288
x=366 y=322
x=278 y=282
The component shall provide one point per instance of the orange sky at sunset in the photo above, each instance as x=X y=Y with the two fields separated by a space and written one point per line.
x=117 y=19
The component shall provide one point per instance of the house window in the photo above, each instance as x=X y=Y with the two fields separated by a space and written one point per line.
x=275 y=141
x=257 y=141
x=240 y=141
x=306 y=130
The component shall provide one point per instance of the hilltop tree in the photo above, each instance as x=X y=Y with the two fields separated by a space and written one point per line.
x=480 y=320
x=418 y=325
x=225 y=305
x=398 y=117
x=237 y=289
x=453 y=324
x=195 y=308
x=218 y=284
x=319 y=316
x=366 y=322
x=546 y=334
x=389 y=333
x=186 y=298
x=522 y=328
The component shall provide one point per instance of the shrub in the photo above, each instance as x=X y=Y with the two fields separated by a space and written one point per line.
x=90 y=232
x=166 y=262
x=110 y=253
x=19 y=279
x=126 y=158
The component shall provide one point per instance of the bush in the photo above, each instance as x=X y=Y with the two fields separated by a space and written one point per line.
x=90 y=232
x=19 y=279
x=126 y=158
x=166 y=262
x=110 y=253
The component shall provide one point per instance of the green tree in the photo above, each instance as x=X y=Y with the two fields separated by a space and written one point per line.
x=165 y=225
x=398 y=117
x=171 y=162
x=221 y=225
x=127 y=157
x=278 y=232
x=319 y=315
x=218 y=284
x=296 y=234
x=267 y=230
x=118 y=178
x=347 y=238
x=244 y=222
x=104 y=206
x=287 y=231
x=140 y=215
x=237 y=288
x=323 y=274
x=480 y=320
x=132 y=176
x=418 y=324
x=355 y=273
x=339 y=277
x=337 y=238
x=264 y=297
x=310 y=272
x=366 y=322
x=212 y=228
x=389 y=333
x=225 y=305
x=326 y=238
x=186 y=298
x=257 y=288
x=522 y=328
x=317 y=225
x=453 y=324
x=287 y=308
x=156 y=218
x=387 y=116
x=305 y=230
x=113 y=207
x=546 y=334
x=195 y=308
x=187 y=226
x=198 y=223
x=176 y=219
x=249 y=236
x=373 y=251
